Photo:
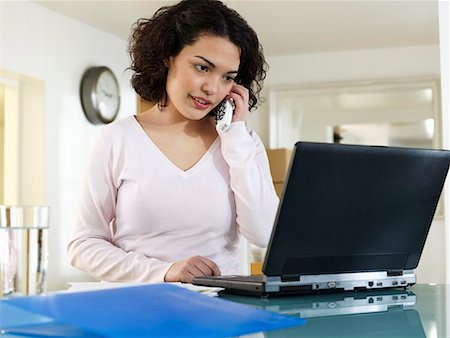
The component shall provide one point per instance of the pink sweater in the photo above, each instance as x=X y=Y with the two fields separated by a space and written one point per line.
x=138 y=212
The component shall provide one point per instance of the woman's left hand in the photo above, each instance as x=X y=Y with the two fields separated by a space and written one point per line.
x=239 y=94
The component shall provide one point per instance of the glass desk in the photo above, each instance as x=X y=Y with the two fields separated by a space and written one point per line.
x=422 y=311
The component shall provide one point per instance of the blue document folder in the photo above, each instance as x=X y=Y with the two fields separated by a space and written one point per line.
x=158 y=310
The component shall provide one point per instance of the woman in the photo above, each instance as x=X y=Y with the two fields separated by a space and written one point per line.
x=165 y=196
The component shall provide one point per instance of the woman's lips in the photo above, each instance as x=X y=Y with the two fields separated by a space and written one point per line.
x=200 y=102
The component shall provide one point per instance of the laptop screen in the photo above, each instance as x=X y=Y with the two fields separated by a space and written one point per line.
x=348 y=208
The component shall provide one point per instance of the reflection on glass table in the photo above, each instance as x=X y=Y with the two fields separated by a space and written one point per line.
x=422 y=311
x=349 y=314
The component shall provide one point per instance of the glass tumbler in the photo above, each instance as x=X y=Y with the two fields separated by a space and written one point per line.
x=23 y=250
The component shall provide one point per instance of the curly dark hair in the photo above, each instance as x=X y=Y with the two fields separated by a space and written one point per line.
x=154 y=41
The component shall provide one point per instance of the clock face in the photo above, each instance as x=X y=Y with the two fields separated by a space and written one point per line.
x=107 y=95
x=100 y=95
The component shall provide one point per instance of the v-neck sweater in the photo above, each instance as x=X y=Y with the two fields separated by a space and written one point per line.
x=139 y=213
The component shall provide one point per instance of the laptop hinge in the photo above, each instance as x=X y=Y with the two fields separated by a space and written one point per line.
x=392 y=273
x=290 y=278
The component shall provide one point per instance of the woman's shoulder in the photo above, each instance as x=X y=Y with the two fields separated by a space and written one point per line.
x=122 y=123
x=120 y=126
x=118 y=131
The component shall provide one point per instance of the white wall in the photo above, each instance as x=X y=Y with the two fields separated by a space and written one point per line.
x=354 y=65
x=42 y=44
x=346 y=66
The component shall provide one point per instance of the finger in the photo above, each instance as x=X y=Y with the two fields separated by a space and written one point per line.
x=198 y=266
x=239 y=89
x=199 y=269
x=213 y=268
x=205 y=269
x=236 y=96
x=237 y=100
x=241 y=107
x=187 y=277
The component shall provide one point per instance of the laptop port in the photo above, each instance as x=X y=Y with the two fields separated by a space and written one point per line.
x=370 y=284
x=379 y=284
x=331 y=285
x=394 y=283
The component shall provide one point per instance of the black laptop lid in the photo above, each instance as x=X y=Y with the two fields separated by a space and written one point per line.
x=348 y=208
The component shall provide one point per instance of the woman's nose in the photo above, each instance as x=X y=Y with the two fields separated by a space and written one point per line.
x=210 y=86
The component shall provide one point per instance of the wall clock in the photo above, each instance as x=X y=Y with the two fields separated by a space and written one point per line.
x=100 y=95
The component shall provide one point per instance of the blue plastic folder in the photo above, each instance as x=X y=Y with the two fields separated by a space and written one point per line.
x=158 y=310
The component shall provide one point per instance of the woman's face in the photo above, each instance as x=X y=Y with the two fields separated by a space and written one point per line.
x=201 y=75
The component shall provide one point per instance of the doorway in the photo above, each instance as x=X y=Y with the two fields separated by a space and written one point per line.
x=22 y=140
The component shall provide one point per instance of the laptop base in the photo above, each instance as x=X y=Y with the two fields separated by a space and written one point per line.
x=264 y=286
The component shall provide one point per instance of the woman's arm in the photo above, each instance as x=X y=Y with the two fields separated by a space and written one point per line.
x=91 y=248
x=251 y=182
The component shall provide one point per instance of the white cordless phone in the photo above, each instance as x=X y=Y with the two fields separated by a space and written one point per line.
x=224 y=115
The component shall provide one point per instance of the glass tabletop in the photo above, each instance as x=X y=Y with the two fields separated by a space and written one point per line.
x=421 y=311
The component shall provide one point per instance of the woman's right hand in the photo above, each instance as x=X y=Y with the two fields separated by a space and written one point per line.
x=185 y=270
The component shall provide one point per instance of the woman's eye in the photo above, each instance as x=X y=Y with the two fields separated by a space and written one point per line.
x=229 y=78
x=201 y=68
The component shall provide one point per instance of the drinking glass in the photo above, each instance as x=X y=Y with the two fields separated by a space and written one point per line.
x=23 y=250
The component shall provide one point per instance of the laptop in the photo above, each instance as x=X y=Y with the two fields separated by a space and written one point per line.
x=350 y=218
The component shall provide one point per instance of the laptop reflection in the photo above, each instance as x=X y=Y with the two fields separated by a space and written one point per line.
x=381 y=314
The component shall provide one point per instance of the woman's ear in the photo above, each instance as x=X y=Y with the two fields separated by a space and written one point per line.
x=168 y=62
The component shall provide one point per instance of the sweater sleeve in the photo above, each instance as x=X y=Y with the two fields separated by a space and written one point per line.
x=251 y=182
x=91 y=247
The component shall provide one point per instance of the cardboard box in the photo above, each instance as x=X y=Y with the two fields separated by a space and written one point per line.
x=142 y=105
x=279 y=160
x=256 y=268
x=278 y=188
